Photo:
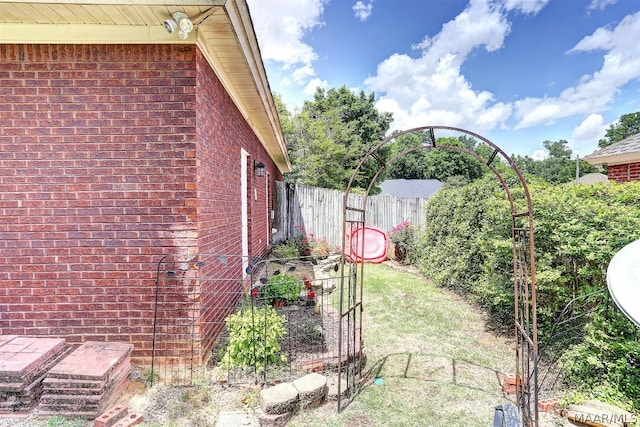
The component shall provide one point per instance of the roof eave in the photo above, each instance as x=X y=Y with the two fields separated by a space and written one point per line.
x=614 y=159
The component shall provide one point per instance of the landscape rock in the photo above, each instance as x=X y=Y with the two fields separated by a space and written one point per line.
x=332 y=387
x=270 y=420
x=279 y=399
x=312 y=389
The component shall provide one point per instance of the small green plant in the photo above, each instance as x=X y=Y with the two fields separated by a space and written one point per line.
x=285 y=250
x=58 y=421
x=150 y=378
x=283 y=288
x=254 y=338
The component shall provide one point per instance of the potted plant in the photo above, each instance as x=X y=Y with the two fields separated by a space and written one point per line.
x=403 y=238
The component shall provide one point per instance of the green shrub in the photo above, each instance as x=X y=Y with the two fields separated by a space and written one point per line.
x=285 y=250
x=466 y=245
x=282 y=287
x=606 y=364
x=254 y=336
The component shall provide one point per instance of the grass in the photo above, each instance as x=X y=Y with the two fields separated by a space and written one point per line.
x=58 y=421
x=438 y=364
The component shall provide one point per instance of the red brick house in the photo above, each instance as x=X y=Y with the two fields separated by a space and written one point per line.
x=121 y=142
x=622 y=159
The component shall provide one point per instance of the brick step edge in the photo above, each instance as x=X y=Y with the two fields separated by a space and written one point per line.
x=129 y=420
x=111 y=416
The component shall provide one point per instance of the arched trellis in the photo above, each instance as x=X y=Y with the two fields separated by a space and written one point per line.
x=351 y=290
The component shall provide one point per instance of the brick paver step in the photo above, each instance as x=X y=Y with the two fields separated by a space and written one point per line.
x=22 y=355
x=24 y=362
x=92 y=361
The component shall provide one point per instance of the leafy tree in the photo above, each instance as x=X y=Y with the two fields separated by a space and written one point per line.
x=435 y=164
x=316 y=159
x=558 y=149
x=444 y=164
x=410 y=165
x=627 y=125
x=284 y=115
x=331 y=134
x=558 y=167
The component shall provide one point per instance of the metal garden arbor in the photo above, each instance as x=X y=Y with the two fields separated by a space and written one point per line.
x=355 y=217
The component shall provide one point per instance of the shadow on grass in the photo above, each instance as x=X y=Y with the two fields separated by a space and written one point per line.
x=455 y=371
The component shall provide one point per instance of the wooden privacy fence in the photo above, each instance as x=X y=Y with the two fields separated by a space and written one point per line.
x=319 y=211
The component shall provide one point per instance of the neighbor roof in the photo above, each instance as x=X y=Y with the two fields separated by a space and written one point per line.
x=623 y=152
x=223 y=32
x=591 y=178
x=421 y=188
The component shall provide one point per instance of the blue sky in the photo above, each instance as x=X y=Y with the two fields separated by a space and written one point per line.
x=517 y=72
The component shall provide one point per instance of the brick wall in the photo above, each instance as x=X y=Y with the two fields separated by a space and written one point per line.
x=222 y=135
x=105 y=165
x=624 y=173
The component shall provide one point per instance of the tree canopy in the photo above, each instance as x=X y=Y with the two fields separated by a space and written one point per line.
x=329 y=136
x=627 y=125
x=434 y=164
x=558 y=167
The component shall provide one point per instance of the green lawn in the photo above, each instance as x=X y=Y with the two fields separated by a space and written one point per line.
x=438 y=364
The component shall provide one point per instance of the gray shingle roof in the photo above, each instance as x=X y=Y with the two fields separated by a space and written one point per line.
x=422 y=188
x=628 y=145
x=591 y=178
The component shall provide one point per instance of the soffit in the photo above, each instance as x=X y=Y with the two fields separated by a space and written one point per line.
x=223 y=31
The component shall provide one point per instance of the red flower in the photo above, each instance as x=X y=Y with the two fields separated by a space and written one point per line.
x=311 y=294
x=255 y=292
x=307 y=282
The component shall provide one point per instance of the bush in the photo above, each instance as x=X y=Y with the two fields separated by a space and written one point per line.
x=282 y=287
x=254 y=336
x=285 y=250
x=606 y=361
x=403 y=237
x=308 y=244
x=466 y=245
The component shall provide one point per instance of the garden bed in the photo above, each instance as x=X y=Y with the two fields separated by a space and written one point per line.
x=310 y=342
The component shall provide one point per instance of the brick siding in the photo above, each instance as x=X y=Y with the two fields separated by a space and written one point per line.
x=221 y=133
x=624 y=173
x=110 y=157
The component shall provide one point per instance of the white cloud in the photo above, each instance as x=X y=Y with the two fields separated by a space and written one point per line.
x=362 y=10
x=594 y=92
x=590 y=129
x=600 y=4
x=539 y=155
x=302 y=74
x=526 y=6
x=585 y=136
x=280 y=27
x=310 y=88
x=431 y=89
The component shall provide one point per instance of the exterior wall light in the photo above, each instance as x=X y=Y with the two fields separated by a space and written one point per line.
x=259 y=168
x=180 y=22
